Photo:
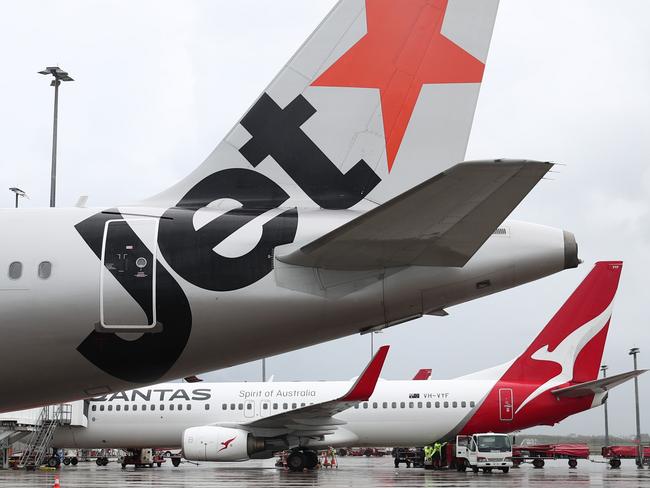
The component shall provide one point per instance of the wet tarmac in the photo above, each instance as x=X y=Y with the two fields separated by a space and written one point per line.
x=352 y=472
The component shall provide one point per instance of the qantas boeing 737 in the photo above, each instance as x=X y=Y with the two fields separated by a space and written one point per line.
x=555 y=377
x=338 y=204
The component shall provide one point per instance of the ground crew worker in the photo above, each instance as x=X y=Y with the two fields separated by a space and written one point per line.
x=428 y=454
x=437 y=454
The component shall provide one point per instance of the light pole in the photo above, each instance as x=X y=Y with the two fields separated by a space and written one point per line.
x=59 y=76
x=604 y=369
x=263 y=370
x=639 y=450
x=19 y=193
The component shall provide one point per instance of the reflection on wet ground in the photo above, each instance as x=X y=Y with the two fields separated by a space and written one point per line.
x=353 y=472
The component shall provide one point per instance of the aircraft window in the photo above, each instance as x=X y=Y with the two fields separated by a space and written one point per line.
x=224 y=406
x=110 y=408
x=232 y=406
x=15 y=270
x=118 y=408
x=402 y=405
x=454 y=404
x=126 y=408
x=302 y=404
x=293 y=405
x=384 y=405
x=410 y=404
x=437 y=404
x=189 y=407
x=393 y=405
x=365 y=404
x=472 y=404
x=446 y=404
x=180 y=407
x=356 y=406
x=101 y=408
x=162 y=407
x=265 y=406
x=374 y=405
x=241 y=406
x=285 y=406
x=207 y=406
x=249 y=406
x=152 y=407
x=171 y=407
x=428 y=404
x=135 y=407
x=94 y=408
x=275 y=406
x=463 y=404
x=44 y=270
x=419 y=404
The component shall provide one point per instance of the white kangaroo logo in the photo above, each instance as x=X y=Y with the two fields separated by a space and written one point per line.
x=567 y=351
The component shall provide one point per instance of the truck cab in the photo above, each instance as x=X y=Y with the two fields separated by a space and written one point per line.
x=484 y=451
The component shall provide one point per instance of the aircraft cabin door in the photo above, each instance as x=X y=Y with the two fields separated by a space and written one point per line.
x=249 y=409
x=506 y=405
x=128 y=276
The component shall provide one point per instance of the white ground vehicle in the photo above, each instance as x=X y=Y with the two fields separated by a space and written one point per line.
x=484 y=451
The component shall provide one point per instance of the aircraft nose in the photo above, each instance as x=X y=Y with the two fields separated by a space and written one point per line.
x=571 y=259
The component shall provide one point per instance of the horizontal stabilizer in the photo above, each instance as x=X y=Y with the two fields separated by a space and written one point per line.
x=597 y=386
x=441 y=222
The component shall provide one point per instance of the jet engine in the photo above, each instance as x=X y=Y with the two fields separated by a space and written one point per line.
x=211 y=443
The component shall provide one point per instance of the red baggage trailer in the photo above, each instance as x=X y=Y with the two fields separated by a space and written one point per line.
x=615 y=453
x=537 y=454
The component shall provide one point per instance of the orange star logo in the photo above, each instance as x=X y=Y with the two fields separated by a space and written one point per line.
x=403 y=50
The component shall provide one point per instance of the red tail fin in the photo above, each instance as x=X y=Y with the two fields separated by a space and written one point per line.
x=570 y=347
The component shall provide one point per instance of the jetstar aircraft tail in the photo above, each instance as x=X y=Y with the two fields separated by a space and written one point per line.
x=378 y=100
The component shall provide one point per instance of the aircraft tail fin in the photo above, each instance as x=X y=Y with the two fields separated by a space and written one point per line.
x=379 y=99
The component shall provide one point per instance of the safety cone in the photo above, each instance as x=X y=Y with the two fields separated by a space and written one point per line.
x=56 y=483
x=333 y=463
x=326 y=460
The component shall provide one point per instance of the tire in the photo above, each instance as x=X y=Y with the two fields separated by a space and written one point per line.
x=538 y=463
x=296 y=461
x=159 y=464
x=105 y=461
x=176 y=462
x=505 y=470
x=462 y=467
x=123 y=465
x=99 y=462
x=487 y=470
x=573 y=463
x=408 y=464
x=311 y=459
x=168 y=454
x=475 y=469
x=615 y=463
x=66 y=461
x=74 y=461
x=53 y=462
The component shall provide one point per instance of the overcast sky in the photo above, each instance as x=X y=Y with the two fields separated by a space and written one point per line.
x=158 y=84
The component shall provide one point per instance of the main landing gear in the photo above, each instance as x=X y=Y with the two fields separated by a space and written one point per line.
x=301 y=460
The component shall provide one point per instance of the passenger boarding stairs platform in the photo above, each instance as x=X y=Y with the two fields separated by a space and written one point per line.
x=39 y=442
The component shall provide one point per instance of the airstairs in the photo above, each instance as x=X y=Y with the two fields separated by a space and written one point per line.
x=38 y=443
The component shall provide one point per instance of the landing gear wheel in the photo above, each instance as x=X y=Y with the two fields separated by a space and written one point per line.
x=176 y=462
x=615 y=463
x=74 y=461
x=505 y=470
x=311 y=459
x=538 y=463
x=296 y=461
x=53 y=462
x=573 y=463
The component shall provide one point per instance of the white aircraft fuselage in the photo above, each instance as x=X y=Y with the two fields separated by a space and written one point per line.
x=67 y=335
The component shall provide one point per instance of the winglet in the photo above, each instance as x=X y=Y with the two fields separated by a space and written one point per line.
x=422 y=375
x=364 y=387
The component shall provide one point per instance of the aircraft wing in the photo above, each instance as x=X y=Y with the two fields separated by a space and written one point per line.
x=597 y=386
x=317 y=419
x=441 y=222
